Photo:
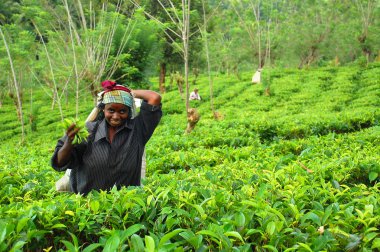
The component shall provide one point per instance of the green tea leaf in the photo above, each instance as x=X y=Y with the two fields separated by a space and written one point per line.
x=3 y=232
x=305 y=246
x=137 y=243
x=75 y=239
x=17 y=246
x=69 y=246
x=21 y=224
x=271 y=227
x=149 y=244
x=270 y=247
x=368 y=237
x=190 y=237
x=133 y=229
x=112 y=243
x=92 y=247
x=376 y=244
x=327 y=214
x=168 y=236
x=234 y=234
x=209 y=233
x=253 y=231
x=94 y=205
x=59 y=225
x=240 y=219
x=313 y=217
x=372 y=176
x=68 y=212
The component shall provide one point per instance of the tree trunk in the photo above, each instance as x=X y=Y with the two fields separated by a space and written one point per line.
x=365 y=49
x=162 y=77
x=179 y=80
x=210 y=79
x=17 y=88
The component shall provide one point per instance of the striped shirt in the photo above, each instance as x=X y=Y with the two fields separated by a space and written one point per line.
x=100 y=164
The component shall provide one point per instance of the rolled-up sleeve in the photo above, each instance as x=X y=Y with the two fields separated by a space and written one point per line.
x=72 y=161
x=150 y=116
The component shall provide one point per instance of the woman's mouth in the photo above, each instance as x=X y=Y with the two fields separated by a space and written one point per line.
x=115 y=122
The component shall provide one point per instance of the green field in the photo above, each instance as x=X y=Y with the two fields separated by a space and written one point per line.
x=298 y=170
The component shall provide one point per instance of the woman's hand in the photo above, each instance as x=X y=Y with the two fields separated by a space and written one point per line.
x=64 y=153
x=151 y=97
x=71 y=132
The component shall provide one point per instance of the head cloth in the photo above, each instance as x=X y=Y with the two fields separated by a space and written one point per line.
x=115 y=93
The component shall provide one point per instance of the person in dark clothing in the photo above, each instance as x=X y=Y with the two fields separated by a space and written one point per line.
x=112 y=154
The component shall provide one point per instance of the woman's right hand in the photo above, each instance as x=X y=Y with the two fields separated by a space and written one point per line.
x=71 y=132
x=65 y=152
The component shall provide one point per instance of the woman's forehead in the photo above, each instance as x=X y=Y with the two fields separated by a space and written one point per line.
x=116 y=106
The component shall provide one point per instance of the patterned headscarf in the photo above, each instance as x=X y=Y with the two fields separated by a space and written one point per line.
x=118 y=96
x=114 y=93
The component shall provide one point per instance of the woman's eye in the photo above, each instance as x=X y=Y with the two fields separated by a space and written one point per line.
x=123 y=111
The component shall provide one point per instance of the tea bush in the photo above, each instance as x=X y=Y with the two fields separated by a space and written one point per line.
x=294 y=171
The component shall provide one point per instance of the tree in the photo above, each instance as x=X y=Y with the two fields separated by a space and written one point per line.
x=367 y=10
x=81 y=48
x=204 y=32
x=7 y=9
x=178 y=28
x=247 y=11
x=17 y=63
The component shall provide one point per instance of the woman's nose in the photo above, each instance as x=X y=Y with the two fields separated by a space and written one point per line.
x=116 y=115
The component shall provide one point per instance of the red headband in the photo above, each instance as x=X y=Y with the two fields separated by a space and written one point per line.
x=111 y=85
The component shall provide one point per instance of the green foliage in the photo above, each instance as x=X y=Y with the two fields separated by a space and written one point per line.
x=294 y=171
x=139 y=53
x=33 y=117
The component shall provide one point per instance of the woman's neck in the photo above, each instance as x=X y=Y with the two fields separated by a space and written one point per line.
x=112 y=132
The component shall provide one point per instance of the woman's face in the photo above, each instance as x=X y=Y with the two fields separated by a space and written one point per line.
x=116 y=114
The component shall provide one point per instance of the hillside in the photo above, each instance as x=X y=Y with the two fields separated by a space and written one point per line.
x=294 y=171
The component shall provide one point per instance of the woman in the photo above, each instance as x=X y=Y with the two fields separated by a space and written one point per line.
x=194 y=95
x=112 y=155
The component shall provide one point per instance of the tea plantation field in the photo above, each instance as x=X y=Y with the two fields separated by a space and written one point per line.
x=298 y=170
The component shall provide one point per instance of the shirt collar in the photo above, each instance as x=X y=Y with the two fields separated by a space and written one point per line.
x=102 y=129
